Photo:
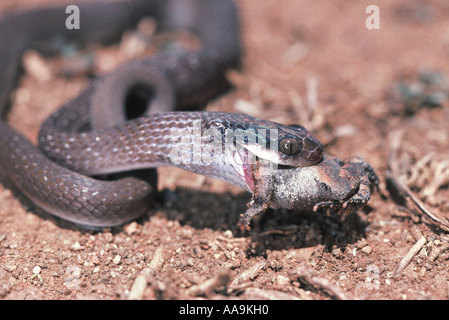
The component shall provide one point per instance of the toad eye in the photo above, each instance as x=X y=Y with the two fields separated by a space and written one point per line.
x=289 y=146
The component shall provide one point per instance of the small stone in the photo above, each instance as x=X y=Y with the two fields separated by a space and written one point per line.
x=362 y=243
x=95 y=259
x=76 y=246
x=116 y=259
x=37 y=270
x=36 y=66
x=281 y=280
x=131 y=228
x=337 y=253
x=367 y=249
x=228 y=234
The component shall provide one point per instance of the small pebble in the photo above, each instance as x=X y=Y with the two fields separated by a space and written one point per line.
x=117 y=259
x=76 y=246
x=367 y=249
x=228 y=234
x=95 y=259
x=36 y=66
x=337 y=252
x=281 y=280
x=37 y=270
x=131 y=228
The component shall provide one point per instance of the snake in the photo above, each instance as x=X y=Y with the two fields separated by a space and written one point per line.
x=95 y=134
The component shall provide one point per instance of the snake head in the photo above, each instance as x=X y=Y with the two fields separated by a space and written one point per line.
x=280 y=144
x=292 y=146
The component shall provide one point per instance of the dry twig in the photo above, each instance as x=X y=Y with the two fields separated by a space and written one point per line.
x=309 y=276
x=438 y=250
x=401 y=192
x=411 y=254
x=266 y=294
x=249 y=274
x=139 y=285
x=219 y=281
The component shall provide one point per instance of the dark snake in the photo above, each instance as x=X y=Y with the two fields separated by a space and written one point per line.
x=91 y=134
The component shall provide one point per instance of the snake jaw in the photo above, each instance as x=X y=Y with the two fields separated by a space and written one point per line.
x=262 y=173
x=249 y=177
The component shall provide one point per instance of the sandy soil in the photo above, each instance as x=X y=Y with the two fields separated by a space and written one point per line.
x=308 y=62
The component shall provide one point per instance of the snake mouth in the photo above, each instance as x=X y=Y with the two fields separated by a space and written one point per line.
x=249 y=178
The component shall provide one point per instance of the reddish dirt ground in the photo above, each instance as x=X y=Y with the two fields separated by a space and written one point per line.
x=308 y=62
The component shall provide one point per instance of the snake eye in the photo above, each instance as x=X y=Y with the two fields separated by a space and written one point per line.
x=289 y=146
